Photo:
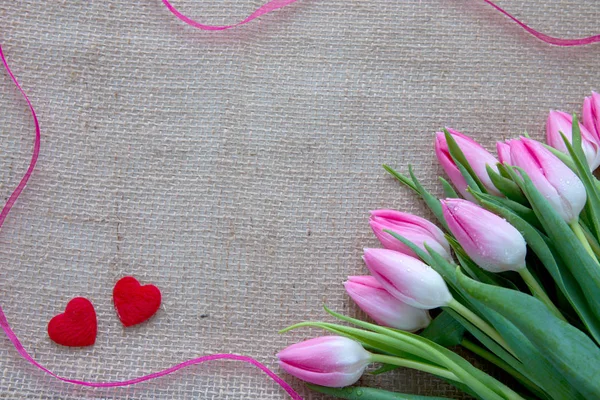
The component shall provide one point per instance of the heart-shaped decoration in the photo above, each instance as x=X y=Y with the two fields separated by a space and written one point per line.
x=135 y=303
x=77 y=326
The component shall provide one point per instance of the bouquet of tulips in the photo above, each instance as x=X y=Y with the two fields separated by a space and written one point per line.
x=513 y=275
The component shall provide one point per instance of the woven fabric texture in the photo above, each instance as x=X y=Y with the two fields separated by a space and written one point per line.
x=235 y=170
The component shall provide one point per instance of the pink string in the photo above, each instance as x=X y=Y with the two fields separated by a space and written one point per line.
x=276 y=4
x=546 y=38
x=264 y=9
x=15 y=340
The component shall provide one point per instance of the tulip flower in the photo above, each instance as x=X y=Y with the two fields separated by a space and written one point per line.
x=555 y=181
x=503 y=150
x=418 y=285
x=498 y=250
x=475 y=155
x=336 y=361
x=332 y=361
x=416 y=229
x=407 y=278
x=384 y=308
x=561 y=122
x=591 y=114
x=490 y=241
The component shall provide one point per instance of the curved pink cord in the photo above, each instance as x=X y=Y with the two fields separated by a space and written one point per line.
x=36 y=148
x=15 y=340
x=264 y=9
x=546 y=38
x=275 y=4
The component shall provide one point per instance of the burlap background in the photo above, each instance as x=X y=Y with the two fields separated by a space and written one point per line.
x=235 y=170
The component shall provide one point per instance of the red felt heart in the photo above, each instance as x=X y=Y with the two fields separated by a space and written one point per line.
x=77 y=326
x=135 y=303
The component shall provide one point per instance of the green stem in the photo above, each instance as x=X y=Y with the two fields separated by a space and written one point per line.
x=538 y=292
x=403 y=362
x=576 y=228
x=491 y=357
x=592 y=241
x=480 y=323
x=481 y=388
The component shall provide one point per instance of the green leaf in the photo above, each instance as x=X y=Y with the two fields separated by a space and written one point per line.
x=522 y=211
x=503 y=172
x=538 y=369
x=449 y=191
x=565 y=158
x=506 y=186
x=522 y=371
x=382 y=335
x=584 y=173
x=568 y=349
x=401 y=178
x=544 y=250
x=444 y=330
x=432 y=202
x=591 y=239
x=580 y=264
x=383 y=369
x=412 y=182
x=481 y=383
x=471 y=182
x=366 y=393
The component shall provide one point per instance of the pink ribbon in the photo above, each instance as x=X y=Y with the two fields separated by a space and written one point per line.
x=546 y=38
x=276 y=4
x=15 y=340
x=264 y=9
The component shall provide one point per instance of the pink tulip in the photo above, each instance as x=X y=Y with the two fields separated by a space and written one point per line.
x=332 y=361
x=416 y=229
x=490 y=241
x=503 y=150
x=407 y=278
x=591 y=114
x=555 y=181
x=559 y=121
x=384 y=308
x=476 y=155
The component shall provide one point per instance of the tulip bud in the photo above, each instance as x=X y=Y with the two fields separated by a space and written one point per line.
x=503 y=151
x=591 y=114
x=561 y=122
x=407 y=278
x=416 y=229
x=490 y=241
x=332 y=361
x=555 y=181
x=476 y=156
x=384 y=308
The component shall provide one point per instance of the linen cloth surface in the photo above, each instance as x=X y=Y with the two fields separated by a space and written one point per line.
x=235 y=170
